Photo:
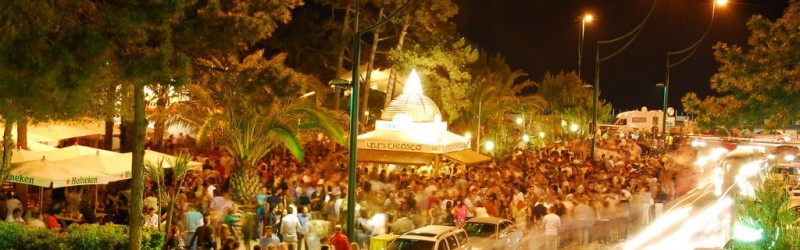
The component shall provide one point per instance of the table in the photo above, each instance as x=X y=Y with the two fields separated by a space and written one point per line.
x=66 y=221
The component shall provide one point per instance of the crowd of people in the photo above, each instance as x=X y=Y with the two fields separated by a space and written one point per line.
x=555 y=194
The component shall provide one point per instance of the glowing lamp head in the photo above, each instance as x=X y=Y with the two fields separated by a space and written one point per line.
x=519 y=120
x=588 y=18
x=721 y=2
x=526 y=138
x=489 y=145
x=541 y=134
x=573 y=127
x=468 y=135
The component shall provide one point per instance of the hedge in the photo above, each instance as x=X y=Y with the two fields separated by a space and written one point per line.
x=90 y=236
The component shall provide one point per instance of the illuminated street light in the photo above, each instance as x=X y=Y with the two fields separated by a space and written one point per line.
x=468 y=135
x=541 y=134
x=586 y=19
x=519 y=120
x=489 y=145
x=573 y=127
x=722 y=2
x=563 y=123
x=526 y=138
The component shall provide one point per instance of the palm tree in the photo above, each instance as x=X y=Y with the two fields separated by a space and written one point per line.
x=498 y=91
x=251 y=107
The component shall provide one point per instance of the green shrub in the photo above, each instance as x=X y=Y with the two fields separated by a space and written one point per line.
x=16 y=236
x=75 y=237
x=93 y=236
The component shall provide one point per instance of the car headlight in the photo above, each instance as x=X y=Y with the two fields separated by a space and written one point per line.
x=771 y=156
x=788 y=158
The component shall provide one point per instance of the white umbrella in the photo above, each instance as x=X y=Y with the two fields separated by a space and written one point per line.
x=75 y=151
x=114 y=169
x=22 y=155
x=44 y=173
x=154 y=157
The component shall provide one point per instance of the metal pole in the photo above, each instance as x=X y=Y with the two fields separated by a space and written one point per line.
x=594 y=100
x=664 y=115
x=580 y=46
x=478 y=139
x=354 y=94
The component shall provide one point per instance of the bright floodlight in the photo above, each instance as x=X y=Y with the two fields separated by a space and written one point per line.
x=468 y=135
x=413 y=84
x=788 y=158
x=721 y=2
x=526 y=138
x=541 y=134
x=573 y=127
x=588 y=18
x=519 y=120
x=489 y=145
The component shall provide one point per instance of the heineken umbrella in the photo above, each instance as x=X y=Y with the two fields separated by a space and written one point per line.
x=154 y=157
x=22 y=155
x=114 y=169
x=44 y=173
x=75 y=151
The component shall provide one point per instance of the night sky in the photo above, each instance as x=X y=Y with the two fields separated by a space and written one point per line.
x=542 y=35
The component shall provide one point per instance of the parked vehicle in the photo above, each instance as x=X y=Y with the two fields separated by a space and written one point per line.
x=432 y=237
x=493 y=233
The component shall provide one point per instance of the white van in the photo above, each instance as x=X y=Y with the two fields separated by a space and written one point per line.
x=639 y=121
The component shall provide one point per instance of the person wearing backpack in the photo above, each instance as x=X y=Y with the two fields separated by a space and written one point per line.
x=205 y=237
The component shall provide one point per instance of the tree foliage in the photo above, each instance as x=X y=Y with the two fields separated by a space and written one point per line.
x=251 y=106
x=759 y=84
x=769 y=211
x=443 y=69
x=568 y=98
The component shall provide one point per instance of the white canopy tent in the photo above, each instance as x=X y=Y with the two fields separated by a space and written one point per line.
x=44 y=173
x=75 y=151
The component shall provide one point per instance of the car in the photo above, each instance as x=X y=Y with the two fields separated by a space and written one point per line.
x=493 y=233
x=772 y=136
x=784 y=153
x=433 y=237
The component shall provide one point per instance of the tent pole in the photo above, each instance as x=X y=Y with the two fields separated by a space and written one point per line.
x=41 y=204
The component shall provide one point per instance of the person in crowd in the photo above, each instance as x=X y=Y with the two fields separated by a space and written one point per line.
x=16 y=216
x=459 y=213
x=268 y=238
x=303 y=217
x=87 y=210
x=585 y=216
x=12 y=204
x=151 y=219
x=339 y=240
x=552 y=224
x=192 y=220
x=290 y=227
x=203 y=237
x=36 y=220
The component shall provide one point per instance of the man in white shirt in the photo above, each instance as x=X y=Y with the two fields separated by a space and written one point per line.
x=552 y=224
x=290 y=227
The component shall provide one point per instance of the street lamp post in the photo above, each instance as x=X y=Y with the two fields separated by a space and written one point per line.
x=597 y=60
x=689 y=51
x=586 y=19
x=355 y=86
